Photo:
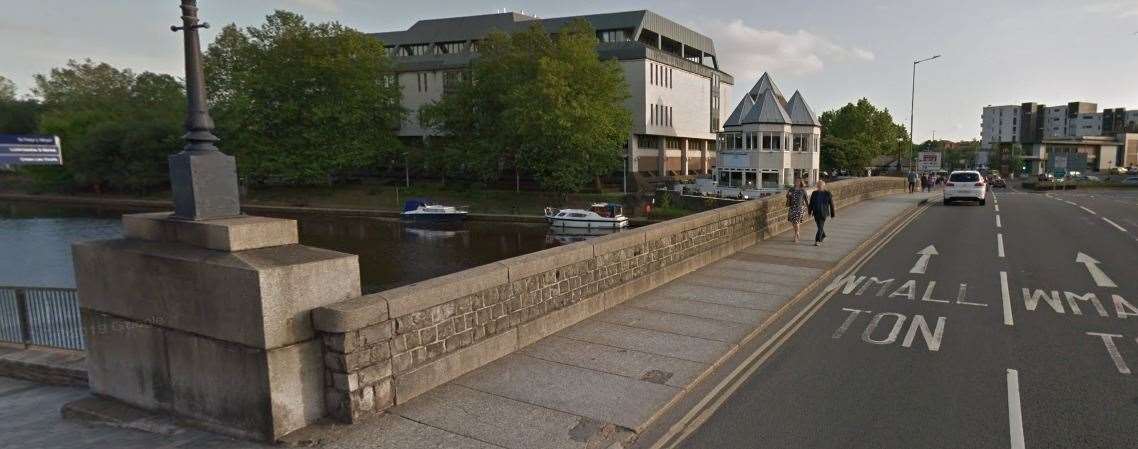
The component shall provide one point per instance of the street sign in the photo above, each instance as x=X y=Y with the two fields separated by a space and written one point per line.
x=928 y=161
x=30 y=149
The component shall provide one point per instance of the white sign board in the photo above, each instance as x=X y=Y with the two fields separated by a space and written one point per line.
x=928 y=161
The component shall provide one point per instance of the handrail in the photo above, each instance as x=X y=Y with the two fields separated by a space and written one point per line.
x=41 y=316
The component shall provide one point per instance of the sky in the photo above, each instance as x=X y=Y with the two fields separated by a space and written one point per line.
x=834 y=52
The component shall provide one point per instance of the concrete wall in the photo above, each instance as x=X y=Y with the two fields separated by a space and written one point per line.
x=389 y=347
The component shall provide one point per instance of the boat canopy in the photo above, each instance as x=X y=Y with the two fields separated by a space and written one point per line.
x=413 y=204
x=608 y=210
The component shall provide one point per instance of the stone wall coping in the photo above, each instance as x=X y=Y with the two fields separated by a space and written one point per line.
x=616 y=241
x=432 y=292
x=224 y=234
x=526 y=265
x=350 y=315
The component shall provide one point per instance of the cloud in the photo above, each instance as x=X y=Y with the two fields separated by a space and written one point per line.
x=323 y=6
x=745 y=50
x=1121 y=8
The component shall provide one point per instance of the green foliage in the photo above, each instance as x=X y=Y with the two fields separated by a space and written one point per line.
x=116 y=127
x=7 y=89
x=547 y=106
x=856 y=133
x=298 y=102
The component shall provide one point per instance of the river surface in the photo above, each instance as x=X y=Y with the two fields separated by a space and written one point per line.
x=35 y=243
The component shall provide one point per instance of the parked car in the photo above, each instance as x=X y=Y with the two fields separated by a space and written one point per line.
x=1118 y=170
x=965 y=185
x=1130 y=180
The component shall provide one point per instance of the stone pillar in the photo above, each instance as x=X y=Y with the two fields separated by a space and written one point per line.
x=684 y=157
x=210 y=320
x=633 y=161
x=662 y=156
x=703 y=165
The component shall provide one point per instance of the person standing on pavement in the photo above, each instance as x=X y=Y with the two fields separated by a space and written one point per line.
x=796 y=207
x=821 y=206
x=912 y=181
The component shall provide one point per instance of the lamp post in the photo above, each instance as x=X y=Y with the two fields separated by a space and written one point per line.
x=202 y=178
x=912 y=112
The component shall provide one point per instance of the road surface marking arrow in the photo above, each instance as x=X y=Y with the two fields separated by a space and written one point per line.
x=923 y=262
x=1101 y=279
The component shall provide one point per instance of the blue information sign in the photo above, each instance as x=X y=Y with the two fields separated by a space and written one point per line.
x=30 y=149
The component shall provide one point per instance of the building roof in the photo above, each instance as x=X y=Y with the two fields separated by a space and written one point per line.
x=764 y=103
x=800 y=112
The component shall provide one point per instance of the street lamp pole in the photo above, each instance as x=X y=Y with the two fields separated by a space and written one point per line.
x=202 y=178
x=912 y=111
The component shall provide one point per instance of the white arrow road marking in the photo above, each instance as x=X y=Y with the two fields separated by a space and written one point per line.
x=1101 y=279
x=1015 y=415
x=923 y=261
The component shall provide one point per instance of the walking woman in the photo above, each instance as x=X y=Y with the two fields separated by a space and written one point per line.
x=796 y=203
x=821 y=207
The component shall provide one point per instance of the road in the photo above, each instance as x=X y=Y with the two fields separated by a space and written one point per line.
x=1010 y=325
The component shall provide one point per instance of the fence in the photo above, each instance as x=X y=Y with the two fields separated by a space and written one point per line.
x=41 y=317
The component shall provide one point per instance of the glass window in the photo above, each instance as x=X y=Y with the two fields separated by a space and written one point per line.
x=416 y=49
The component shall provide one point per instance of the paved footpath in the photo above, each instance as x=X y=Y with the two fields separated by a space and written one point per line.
x=592 y=385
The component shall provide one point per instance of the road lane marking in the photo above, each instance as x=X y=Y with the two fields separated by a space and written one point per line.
x=998 y=225
x=1112 y=349
x=923 y=261
x=1071 y=202
x=1120 y=228
x=1000 y=244
x=1088 y=210
x=1008 y=320
x=1015 y=415
x=1100 y=277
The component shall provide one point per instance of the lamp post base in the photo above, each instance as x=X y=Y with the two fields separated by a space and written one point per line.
x=204 y=185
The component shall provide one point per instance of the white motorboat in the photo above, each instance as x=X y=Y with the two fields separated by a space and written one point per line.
x=599 y=215
x=421 y=210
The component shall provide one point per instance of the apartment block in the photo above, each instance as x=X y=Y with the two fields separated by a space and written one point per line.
x=1053 y=136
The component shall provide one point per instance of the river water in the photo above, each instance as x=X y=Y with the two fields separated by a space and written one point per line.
x=35 y=243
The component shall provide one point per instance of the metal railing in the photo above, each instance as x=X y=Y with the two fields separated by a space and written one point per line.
x=41 y=316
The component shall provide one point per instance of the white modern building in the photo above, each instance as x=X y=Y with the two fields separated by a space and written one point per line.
x=1075 y=136
x=672 y=73
x=768 y=142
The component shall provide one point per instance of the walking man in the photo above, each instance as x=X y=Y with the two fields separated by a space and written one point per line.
x=912 y=181
x=822 y=207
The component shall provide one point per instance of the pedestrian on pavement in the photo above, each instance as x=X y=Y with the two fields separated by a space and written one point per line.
x=924 y=182
x=821 y=207
x=796 y=205
x=912 y=181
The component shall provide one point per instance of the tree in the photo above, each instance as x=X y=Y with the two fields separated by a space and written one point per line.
x=299 y=102
x=856 y=133
x=7 y=89
x=17 y=116
x=547 y=106
x=116 y=127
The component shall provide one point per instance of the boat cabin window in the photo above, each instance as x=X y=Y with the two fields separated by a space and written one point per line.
x=575 y=215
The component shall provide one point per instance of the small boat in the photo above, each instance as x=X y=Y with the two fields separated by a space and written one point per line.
x=599 y=215
x=421 y=210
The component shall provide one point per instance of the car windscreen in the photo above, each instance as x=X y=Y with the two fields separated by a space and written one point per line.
x=964 y=177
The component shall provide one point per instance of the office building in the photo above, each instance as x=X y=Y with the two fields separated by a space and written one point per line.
x=769 y=142
x=672 y=72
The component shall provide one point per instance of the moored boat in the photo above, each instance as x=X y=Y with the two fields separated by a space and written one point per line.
x=421 y=210
x=599 y=215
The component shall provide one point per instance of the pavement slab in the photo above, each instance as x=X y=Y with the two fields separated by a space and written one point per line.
x=390 y=431
x=700 y=309
x=710 y=329
x=620 y=361
x=646 y=340
x=726 y=296
x=601 y=396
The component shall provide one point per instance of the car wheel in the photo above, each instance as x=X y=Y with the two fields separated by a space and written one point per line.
x=982 y=201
